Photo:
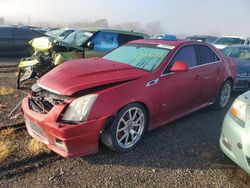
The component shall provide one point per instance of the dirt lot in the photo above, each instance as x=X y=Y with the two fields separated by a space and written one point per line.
x=184 y=153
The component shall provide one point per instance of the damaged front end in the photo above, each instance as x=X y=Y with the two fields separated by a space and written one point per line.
x=43 y=112
x=48 y=53
x=42 y=101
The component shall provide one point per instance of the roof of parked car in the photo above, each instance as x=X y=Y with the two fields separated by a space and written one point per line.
x=240 y=37
x=165 y=42
x=239 y=46
x=113 y=30
x=200 y=36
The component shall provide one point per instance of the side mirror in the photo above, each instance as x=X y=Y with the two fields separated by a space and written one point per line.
x=90 y=45
x=179 y=66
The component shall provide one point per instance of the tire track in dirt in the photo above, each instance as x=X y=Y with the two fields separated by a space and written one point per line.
x=27 y=165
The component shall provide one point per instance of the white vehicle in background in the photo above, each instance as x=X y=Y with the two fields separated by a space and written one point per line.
x=225 y=41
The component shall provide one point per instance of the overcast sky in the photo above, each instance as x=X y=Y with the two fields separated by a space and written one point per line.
x=227 y=17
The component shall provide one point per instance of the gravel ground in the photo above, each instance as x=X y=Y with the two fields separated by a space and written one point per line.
x=184 y=153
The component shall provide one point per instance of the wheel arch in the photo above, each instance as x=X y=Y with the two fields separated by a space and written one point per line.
x=112 y=117
x=229 y=79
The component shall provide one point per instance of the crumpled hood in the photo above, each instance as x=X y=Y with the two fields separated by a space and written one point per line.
x=77 y=75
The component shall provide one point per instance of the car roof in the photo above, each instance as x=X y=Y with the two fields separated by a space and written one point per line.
x=113 y=30
x=166 y=42
x=239 y=46
x=240 y=37
x=201 y=36
x=14 y=26
x=6 y=26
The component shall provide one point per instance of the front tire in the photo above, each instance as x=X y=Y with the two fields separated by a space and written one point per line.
x=127 y=129
x=223 y=96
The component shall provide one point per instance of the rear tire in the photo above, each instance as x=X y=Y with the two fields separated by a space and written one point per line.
x=223 y=96
x=127 y=129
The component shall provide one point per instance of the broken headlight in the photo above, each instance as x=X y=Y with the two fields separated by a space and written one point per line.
x=79 y=109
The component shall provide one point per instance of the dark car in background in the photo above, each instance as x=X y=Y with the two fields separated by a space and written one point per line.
x=241 y=53
x=202 y=38
x=14 y=41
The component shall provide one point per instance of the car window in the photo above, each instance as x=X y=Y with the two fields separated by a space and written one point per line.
x=5 y=32
x=66 y=33
x=227 y=51
x=105 y=41
x=229 y=41
x=123 y=38
x=78 y=37
x=210 y=39
x=238 y=52
x=186 y=54
x=206 y=55
x=143 y=56
x=22 y=33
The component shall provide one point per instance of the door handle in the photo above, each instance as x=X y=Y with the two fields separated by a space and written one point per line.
x=197 y=77
x=218 y=70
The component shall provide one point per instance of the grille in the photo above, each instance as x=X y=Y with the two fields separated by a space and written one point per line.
x=40 y=105
x=36 y=129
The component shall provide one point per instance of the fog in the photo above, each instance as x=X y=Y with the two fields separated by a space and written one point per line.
x=217 y=17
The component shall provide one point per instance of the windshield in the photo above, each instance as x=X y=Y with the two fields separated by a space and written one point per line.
x=237 y=52
x=144 y=56
x=55 y=33
x=229 y=41
x=78 y=37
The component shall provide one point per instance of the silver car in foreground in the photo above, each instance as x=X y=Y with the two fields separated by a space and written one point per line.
x=235 y=134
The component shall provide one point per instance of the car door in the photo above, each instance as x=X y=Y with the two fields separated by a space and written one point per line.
x=211 y=67
x=6 y=42
x=103 y=43
x=180 y=91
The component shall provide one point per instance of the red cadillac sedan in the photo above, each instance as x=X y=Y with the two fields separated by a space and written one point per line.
x=137 y=87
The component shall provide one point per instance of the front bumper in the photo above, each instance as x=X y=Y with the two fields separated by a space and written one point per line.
x=235 y=142
x=65 y=139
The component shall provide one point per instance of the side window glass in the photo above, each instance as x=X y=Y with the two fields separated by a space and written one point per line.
x=105 y=41
x=186 y=54
x=22 y=33
x=123 y=38
x=5 y=32
x=206 y=55
x=227 y=51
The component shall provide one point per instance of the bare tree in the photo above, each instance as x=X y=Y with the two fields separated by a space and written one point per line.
x=154 y=27
x=101 y=23
x=2 y=21
x=130 y=26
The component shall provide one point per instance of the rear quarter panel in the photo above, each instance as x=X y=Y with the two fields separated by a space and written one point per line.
x=229 y=65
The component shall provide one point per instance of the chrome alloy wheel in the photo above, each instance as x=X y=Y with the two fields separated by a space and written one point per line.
x=130 y=127
x=225 y=94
